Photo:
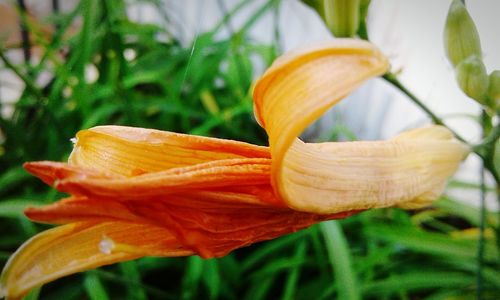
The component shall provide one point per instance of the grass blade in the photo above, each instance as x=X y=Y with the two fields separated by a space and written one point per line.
x=33 y=295
x=212 y=278
x=192 y=276
x=135 y=291
x=12 y=178
x=417 y=281
x=428 y=242
x=293 y=276
x=340 y=260
x=13 y=208
x=269 y=248
x=94 y=288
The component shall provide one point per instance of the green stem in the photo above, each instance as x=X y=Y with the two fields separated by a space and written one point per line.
x=484 y=150
x=482 y=216
x=392 y=79
x=227 y=16
x=488 y=141
x=30 y=84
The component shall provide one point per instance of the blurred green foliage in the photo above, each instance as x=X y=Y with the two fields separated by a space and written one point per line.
x=205 y=89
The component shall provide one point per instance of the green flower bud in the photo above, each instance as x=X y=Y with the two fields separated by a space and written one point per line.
x=317 y=5
x=461 y=38
x=472 y=78
x=342 y=17
x=494 y=89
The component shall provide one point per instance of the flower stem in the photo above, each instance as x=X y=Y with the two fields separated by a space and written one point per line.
x=30 y=84
x=484 y=149
x=482 y=216
x=489 y=141
x=392 y=79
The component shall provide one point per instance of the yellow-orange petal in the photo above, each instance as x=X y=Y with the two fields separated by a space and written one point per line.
x=229 y=173
x=130 y=151
x=408 y=171
x=78 y=247
x=82 y=209
x=200 y=221
x=52 y=172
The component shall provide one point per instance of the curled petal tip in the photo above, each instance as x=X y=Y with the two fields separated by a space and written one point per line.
x=32 y=167
x=40 y=170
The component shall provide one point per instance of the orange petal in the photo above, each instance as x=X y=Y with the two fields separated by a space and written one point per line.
x=217 y=174
x=52 y=172
x=200 y=221
x=231 y=173
x=78 y=247
x=130 y=151
x=78 y=209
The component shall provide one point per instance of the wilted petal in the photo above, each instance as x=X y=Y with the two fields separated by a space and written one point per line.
x=52 y=172
x=210 y=224
x=219 y=174
x=408 y=171
x=81 y=209
x=130 y=151
x=78 y=247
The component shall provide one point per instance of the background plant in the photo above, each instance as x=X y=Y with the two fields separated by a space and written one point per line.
x=143 y=80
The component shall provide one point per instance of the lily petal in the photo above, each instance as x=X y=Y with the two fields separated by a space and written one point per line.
x=82 y=246
x=408 y=171
x=200 y=221
x=130 y=151
x=216 y=174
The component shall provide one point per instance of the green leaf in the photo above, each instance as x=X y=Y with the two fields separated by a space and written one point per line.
x=14 y=208
x=265 y=250
x=417 y=281
x=275 y=266
x=470 y=213
x=94 y=288
x=260 y=288
x=293 y=276
x=428 y=242
x=211 y=278
x=130 y=271
x=100 y=115
x=34 y=294
x=192 y=277
x=340 y=260
x=12 y=177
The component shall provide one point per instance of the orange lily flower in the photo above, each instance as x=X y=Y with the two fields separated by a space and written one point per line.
x=139 y=192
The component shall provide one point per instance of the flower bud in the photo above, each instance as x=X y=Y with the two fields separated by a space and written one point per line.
x=461 y=38
x=342 y=16
x=494 y=89
x=472 y=78
x=317 y=5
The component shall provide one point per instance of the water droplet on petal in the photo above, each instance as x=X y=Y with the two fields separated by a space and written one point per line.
x=106 y=245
